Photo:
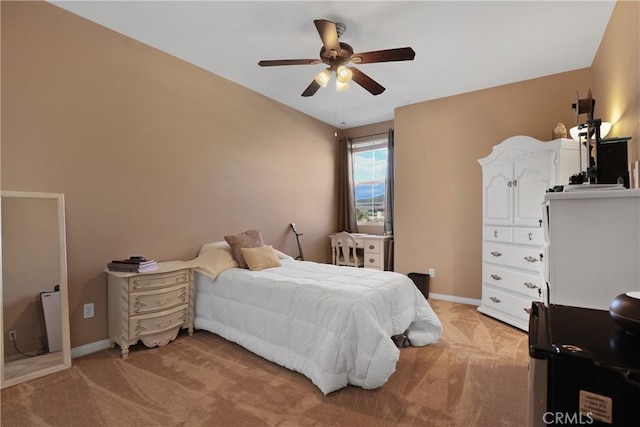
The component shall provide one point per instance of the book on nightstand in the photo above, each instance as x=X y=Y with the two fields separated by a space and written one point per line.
x=134 y=264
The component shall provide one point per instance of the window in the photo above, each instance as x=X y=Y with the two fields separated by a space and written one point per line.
x=369 y=179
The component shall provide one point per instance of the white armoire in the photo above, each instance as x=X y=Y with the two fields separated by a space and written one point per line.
x=515 y=178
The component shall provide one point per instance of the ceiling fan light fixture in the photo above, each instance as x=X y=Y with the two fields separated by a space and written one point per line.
x=322 y=78
x=344 y=74
x=341 y=86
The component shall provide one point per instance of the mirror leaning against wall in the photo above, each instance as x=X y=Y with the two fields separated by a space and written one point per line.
x=33 y=284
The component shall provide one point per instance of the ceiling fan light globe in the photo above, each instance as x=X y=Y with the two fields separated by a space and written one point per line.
x=341 y=86
x=344 y=74
x=322 y=78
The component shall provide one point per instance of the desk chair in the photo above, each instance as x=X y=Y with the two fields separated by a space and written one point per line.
x=346 y=250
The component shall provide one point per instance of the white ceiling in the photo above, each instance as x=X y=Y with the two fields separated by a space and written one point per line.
x=460 y=46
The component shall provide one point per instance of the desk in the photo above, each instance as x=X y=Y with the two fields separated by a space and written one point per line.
x=375 y=249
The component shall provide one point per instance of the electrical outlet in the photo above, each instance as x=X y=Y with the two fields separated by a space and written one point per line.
x=12 y=335
x=432 y=272
x=88 y=310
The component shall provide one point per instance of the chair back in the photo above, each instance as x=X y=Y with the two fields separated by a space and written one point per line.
x=346 y=250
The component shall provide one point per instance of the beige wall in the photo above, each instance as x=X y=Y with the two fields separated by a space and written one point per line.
x=155 y=156
x=616 y=75
x=438 y=181
x=438 y=198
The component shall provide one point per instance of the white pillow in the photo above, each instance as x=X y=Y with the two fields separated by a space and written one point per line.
x=216 y=257
x=213 y=259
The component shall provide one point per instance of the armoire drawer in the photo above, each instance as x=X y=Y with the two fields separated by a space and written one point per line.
x=517 y=306
x=513 y=256
x=528 y=285
x=528 y=236
x=498 y=234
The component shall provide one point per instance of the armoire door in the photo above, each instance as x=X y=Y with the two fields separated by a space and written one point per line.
x=533 y=176
x=498 y=194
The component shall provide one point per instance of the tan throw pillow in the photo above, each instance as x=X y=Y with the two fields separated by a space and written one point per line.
x=247 y=239
x=260 y=258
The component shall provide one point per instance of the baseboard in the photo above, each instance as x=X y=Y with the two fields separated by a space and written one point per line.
x=90 y=348
x=451 y=298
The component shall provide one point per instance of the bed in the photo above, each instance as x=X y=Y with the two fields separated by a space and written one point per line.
x=333 y=324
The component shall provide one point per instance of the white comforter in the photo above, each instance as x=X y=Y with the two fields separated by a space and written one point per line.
x=332 y=324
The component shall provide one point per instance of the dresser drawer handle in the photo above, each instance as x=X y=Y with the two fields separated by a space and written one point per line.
x=162 y=303
x=530 y=258
x=494 y=299
x=530 y=285
x=495 y=233
x=496 y=277
x=372 y=246
x=371 y=260
x=496 y=254
x=530 y=236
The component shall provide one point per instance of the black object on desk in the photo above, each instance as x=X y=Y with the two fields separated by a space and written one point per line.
x=584 y=368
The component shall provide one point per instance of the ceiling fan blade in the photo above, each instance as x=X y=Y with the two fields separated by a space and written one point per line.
x=366 y=82
x=311 y=89
x=328 y=34
x=388 y=55
x=275 y=62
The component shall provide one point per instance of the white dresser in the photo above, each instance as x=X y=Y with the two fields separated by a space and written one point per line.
x=374 y=248
x=150 y=307
x=594 y=246
x=515 y=178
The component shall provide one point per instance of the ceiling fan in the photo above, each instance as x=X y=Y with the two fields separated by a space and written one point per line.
x=337 y=55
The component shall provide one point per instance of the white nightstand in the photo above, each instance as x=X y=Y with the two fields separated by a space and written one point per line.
x=150 y=307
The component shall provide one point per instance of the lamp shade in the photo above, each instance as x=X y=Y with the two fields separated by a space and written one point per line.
x=343 y=74
x=322 y=78
x=605 y=127
x=341 y=86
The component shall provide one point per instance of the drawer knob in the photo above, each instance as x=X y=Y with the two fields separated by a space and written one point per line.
x=530 y=285
x=530 y=258
x=496 y=254
x=371 y=246
x=495 y=233
x=496 y=300
x=163 y=302
x=371 y=260
x=496 y=277
x=530 y=236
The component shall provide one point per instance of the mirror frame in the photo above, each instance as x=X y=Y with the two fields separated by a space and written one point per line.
x=64 y=297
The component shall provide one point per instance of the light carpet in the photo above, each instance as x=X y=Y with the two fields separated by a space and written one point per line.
x=476 y=375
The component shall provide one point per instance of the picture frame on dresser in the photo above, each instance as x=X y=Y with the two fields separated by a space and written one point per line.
x=151 y=307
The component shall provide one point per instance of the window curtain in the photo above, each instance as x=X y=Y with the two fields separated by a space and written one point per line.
x=388 y=190
x=347 y=201
x=388 y=201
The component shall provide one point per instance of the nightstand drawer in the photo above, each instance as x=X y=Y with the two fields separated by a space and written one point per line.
x=148 y=301
x=154 y=281
x=148 y=324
